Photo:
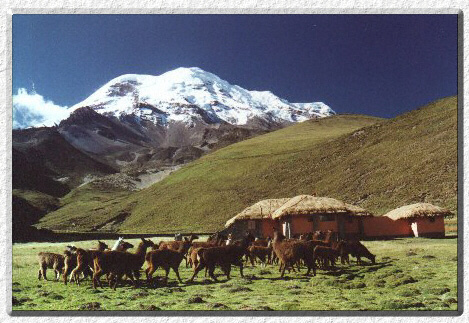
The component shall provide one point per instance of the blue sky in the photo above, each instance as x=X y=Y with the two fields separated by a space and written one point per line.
x=380 y=65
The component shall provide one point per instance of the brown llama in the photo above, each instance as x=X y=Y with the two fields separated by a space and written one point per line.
x=191 y=258
x=264 y=254
x=167 y=259
x=119 y=263
x=223 y=256
x=357 y=249
x=175 y=245
x=291 y=252
x=325 y=256
x=85 y=260
x=52 y=261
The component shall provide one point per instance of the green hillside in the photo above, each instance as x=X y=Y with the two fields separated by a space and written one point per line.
x=378 y=164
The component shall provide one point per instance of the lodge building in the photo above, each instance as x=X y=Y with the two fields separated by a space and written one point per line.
x=305 y=213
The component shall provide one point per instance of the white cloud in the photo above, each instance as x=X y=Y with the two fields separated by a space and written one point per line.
x=32 y=110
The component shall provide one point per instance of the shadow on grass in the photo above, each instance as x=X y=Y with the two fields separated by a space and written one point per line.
x=355 y=270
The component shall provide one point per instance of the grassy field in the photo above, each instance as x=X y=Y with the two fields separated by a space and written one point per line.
x=410 y=274
x=374 y=163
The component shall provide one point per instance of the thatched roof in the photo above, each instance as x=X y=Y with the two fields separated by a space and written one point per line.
x=358 y=211
x=260 y=210
x=307 y=204
x=417 y=210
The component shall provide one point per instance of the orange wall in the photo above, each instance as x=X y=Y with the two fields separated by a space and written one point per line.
x=425 y=226
x=382 y=226
x=300 y=224
x=267 y=227
x=352 y=227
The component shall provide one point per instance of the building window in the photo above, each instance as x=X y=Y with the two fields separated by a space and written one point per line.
x=251 y=225
x=432 y=219
x=327 y=218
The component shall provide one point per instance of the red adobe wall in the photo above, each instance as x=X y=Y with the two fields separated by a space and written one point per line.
x=382 y=226
x=300 y=224
x=352 y=227
x=427 y=228
x=268 y=226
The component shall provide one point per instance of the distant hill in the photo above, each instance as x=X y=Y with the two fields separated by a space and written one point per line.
x=375 y=163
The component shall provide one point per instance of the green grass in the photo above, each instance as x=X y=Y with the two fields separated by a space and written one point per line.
x=40 y=201
x=375 y=163
x=202 y=195
x=410 y=274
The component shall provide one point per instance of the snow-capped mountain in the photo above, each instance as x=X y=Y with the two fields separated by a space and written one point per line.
x=190 y=95
x=138 y=122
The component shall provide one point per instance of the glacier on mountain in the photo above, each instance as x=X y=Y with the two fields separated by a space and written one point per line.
x=191 y=94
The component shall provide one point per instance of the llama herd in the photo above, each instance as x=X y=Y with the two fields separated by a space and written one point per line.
x=314 y=250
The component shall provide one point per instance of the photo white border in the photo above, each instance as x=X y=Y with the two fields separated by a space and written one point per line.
x=188 y=7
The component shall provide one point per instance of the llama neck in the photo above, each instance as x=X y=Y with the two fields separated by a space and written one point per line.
x=142 y=249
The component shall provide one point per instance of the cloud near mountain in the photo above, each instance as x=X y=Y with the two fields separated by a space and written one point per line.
x=33 y=110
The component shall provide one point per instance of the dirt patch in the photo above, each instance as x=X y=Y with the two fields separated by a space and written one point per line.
x=410 y=292
x=439 y=290
x=139 y=295
x=403 y=281
x=217 y=306
x=93 y=306
x=149 y=307
x=428 y=257
x=178 y=290
x=195 y=300
x=19 y=301
x=399 y=304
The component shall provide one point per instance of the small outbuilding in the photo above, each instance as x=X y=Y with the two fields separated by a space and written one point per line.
x=305 y=213
x=418 y=220
x=256 y=218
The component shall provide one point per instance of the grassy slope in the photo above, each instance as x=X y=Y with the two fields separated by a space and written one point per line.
x=410 y=274
x=202 y=195
x=390 y=163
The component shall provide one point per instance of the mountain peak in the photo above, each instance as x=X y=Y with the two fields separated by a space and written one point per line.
x=190 y=94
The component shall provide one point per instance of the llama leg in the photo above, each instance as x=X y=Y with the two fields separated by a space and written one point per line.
x=134 y=281
x=66 y=270
x=74 y=273
x=39 y=274
x=211 y=272
x=176 y=270
x=96 y=277
x=166 y=271
x=198 y=268
x=283 y=269
x=44 y=272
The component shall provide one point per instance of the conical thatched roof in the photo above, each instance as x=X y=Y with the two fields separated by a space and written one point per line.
x=417 y=210
x=307 y=204
x=260 y=210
